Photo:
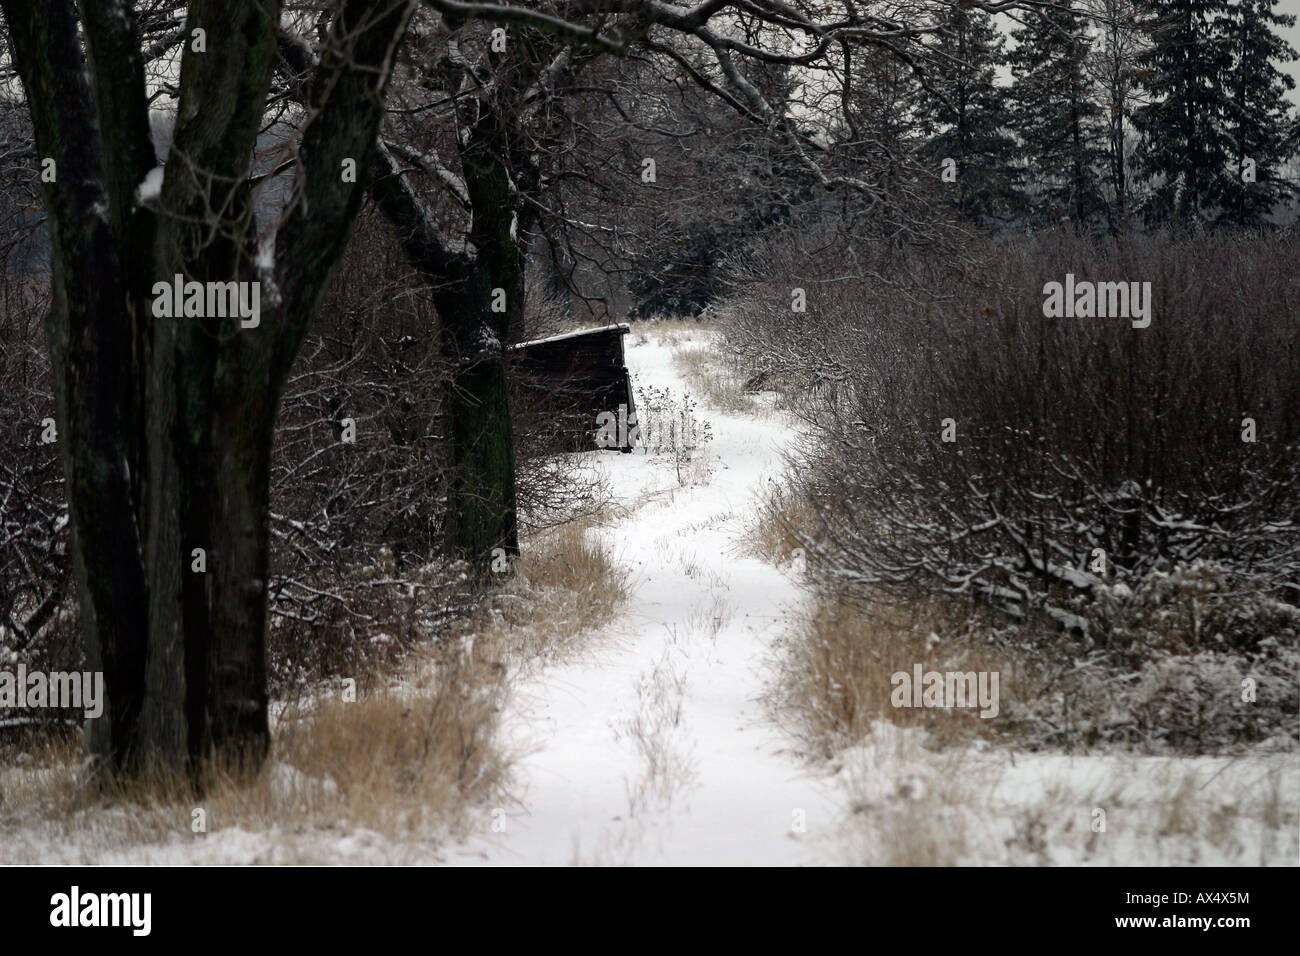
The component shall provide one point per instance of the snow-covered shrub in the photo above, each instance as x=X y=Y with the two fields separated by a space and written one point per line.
x=1193 y=608
x=1158 y=685
x=1212 y=701
x=38 y=609
x=972 y=446
x=357 y=526
x=34 y=581
x=1126 y=499
x=1195 y=659
x=355 y=620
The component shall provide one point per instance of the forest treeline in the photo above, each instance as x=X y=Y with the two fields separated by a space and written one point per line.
x=1111 y=116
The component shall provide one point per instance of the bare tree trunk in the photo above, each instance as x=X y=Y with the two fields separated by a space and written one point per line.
x=165 y=424
x=481 y=510
x=479 y=299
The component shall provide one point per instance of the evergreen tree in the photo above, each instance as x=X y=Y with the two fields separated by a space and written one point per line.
x=966 y=114
x=1185 y=151
x=1258 y=118
x=1057 y=115
x=725 y=181
x=878 y=127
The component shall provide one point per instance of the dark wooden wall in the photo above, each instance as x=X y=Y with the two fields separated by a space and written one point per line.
x=560 y=384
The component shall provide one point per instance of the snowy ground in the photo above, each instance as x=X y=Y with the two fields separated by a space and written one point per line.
x=650 y=743
x=653 y=747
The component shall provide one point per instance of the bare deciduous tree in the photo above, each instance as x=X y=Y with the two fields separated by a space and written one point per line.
x=165 y=425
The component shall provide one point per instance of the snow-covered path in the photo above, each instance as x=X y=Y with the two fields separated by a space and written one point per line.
x=653 y=746
x=649 y=743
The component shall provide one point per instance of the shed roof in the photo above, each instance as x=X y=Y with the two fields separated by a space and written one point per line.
x=621 y=326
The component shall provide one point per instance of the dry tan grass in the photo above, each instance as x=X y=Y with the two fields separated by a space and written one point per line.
x=836 y=665
x=568 y=583
x=713 y=376
x=403 y=761
x=836 y=662
x=655 y=730
x=711 y=616
x=406 y=762
x=773 y=533
x=668 y=329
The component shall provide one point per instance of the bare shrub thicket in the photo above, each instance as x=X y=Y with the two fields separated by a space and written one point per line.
x=360 y=523
x=358 y=491
x=37 y=614
x=1098 y=494
x=36 y=617
x=359 y=480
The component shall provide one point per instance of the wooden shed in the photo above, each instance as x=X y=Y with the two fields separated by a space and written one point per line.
x=561 y=384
